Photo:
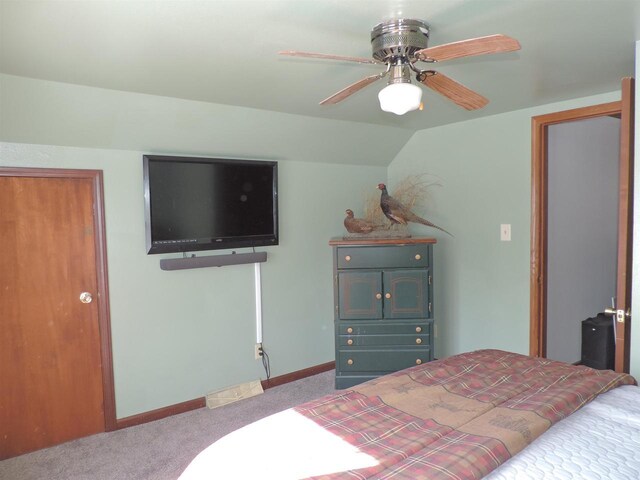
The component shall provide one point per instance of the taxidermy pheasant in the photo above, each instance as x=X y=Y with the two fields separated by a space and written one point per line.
x=398 y=213
x=358 y=225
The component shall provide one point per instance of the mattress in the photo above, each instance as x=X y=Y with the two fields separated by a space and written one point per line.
x=600 y=441
x=459 y=417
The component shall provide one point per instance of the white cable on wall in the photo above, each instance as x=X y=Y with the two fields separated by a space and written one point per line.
x=258 y=289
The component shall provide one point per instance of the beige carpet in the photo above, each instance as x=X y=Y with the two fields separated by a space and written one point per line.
x=158 y=450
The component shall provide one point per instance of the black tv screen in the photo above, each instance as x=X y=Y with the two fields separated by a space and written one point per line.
x=209 y=203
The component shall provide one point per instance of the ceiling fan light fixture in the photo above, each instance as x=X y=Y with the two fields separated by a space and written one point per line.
x=399 y=44
x=400 y=98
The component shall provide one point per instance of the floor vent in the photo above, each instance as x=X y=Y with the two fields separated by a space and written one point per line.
x=233 y=394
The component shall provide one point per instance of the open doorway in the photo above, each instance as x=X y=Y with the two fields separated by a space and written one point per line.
x=539 y=222
x=582 y=233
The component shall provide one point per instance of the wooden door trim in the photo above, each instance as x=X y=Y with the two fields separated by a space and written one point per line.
x=538 y=259
x=104 y=318
x=625 y=223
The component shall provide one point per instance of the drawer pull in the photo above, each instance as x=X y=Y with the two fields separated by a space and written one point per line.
x=418 y=329
x=418 y=256
x=349 y=330
x=418 y=341
x=350 y=342
x=348 y=258
x=387 y=295
x=378 y=296
x=350 y=362
x=418 y=361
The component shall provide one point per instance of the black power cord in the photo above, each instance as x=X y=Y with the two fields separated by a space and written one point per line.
x=265 y=363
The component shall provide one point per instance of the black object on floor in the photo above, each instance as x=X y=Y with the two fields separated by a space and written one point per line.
x=598 y=345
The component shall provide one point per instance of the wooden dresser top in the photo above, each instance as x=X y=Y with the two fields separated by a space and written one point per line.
x=380 y=241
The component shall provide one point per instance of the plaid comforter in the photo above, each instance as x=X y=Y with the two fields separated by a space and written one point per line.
x=457 y=418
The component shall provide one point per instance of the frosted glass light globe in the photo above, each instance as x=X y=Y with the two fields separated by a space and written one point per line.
x=400 y=98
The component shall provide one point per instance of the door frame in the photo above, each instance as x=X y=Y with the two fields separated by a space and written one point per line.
x=539 y=192
x=100 y=243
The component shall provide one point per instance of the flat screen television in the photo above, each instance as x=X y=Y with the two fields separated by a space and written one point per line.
x=209 y=203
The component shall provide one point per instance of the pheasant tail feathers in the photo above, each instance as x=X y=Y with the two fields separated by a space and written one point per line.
x=429 y=224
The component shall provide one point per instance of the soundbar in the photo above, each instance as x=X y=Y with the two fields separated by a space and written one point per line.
x=212 y=261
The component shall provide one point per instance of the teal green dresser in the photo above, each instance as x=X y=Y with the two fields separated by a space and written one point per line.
x=383 y=306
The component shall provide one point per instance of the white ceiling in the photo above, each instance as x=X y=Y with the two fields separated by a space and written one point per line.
x=225 y=51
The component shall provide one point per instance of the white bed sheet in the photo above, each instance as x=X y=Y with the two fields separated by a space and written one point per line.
x=600 y=441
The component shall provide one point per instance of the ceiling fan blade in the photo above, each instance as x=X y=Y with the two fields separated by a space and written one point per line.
x=326 y=56
x=468 y=48
x=351 y=89
x=454 y=91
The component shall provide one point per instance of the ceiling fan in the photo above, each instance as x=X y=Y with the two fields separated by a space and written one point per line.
x=400 y=44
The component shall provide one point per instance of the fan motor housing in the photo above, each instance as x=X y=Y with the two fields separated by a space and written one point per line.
x=398 y=38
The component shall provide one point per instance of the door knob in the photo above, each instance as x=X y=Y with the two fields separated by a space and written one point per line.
x=620 y=315
x=86 y=297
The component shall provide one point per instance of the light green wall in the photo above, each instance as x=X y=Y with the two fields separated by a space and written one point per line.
x=481 y=283
x=179 y=335
x=53 y=113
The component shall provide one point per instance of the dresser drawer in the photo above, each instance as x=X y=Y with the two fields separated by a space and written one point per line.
x=372 y=360
x=383 y=328
x=382 y=340
x=405 y=256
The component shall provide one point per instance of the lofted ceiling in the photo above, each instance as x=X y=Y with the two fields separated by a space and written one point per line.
x=225 y=51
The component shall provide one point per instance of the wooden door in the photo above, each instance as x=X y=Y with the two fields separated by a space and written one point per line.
x=53 y=349
x=539 y=124
x=625 y=229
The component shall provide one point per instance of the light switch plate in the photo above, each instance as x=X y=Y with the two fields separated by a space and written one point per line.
x=505 y=232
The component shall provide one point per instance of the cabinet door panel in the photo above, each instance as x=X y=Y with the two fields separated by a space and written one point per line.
x=359 y=292
x=406 y=294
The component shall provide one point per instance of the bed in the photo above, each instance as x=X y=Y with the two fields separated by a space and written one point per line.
x=485 y=414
